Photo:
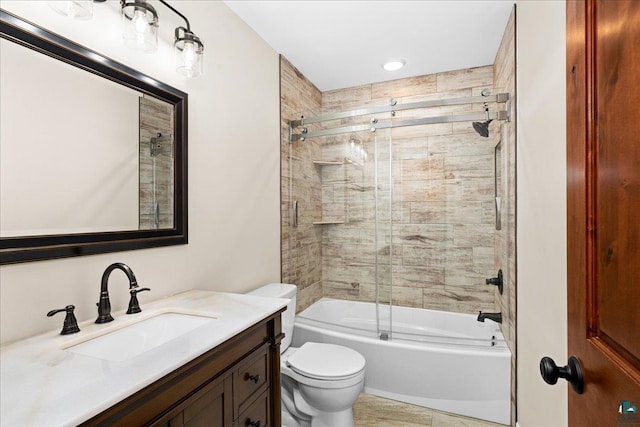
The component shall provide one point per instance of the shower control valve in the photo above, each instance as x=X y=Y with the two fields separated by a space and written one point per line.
x=497 y=281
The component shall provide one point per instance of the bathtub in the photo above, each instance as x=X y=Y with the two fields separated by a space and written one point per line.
x=440 y=360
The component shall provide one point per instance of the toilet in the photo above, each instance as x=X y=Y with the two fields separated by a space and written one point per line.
x=320 y=382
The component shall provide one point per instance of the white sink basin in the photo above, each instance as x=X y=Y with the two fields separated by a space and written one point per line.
x=132 y=340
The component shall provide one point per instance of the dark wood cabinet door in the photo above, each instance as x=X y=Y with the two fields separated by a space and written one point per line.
x=211 y=407
x=603 y=208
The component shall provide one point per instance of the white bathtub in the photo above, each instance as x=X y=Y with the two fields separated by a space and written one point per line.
x=440 y=360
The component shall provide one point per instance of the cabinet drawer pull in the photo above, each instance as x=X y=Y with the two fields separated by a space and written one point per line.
x=255 y=378
x=252 y=423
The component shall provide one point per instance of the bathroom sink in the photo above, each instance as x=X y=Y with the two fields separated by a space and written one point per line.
x=137 y=338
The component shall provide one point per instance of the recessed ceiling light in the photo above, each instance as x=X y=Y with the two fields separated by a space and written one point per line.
x=394 y=64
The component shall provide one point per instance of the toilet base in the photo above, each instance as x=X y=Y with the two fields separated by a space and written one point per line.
x=289 y=420
x=333 y=419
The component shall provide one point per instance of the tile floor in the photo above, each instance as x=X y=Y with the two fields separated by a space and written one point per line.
x=373 y=411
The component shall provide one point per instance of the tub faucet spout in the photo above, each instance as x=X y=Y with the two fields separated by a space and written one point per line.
x=496 y=317
x=104 y=305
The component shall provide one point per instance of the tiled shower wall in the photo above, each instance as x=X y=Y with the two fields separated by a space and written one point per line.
x=442 y=245
x=505 y=244
x=155 y=117
x=300 y=246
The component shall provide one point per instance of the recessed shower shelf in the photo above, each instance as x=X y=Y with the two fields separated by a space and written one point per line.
x=327 y=222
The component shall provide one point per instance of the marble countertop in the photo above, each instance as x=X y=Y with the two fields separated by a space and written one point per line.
x=41 y=384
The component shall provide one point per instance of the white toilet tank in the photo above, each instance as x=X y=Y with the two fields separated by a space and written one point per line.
x=281 y=290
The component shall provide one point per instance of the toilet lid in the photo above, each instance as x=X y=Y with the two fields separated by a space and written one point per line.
x=326 y=361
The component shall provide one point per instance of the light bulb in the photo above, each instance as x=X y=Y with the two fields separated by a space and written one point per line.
x=189 y=54
x=189 y=58
x=139 y=28
x=139 y=22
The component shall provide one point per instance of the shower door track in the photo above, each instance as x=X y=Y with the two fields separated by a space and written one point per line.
x=497 y=115
x=499 y=98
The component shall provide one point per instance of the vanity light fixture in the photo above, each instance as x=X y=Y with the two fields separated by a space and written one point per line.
x=188 y=51
x=139 y=25
x=141 y=33
x=140 y=30
x=394 y=65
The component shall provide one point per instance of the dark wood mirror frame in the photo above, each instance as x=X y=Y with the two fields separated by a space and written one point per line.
x=34 y=248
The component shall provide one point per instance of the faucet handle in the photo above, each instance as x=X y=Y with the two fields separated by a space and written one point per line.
x=497 y=281
x=70 y=325
x=134 y=305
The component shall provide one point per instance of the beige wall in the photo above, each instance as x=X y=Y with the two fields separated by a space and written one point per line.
x=233 y=173
x=541 y=234
x=32 y=180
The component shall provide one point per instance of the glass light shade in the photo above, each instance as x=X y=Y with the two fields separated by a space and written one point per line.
x=189 y=55
x=76 y=9
x=140 y=26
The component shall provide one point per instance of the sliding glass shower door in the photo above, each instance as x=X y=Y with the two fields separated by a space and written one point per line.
x=337 y=230
x=393 y=205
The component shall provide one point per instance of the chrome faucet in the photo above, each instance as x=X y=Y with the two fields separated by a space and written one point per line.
x=104 y=305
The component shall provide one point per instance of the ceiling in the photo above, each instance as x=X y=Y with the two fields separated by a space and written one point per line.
x=338 y=44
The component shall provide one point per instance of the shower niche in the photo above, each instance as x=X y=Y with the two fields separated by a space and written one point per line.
x=342 y=178
x=333 y=185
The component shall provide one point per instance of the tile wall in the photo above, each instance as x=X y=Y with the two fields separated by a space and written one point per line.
x=505 y=238
x=301 y=246
x=155 y=117
x=440 y=247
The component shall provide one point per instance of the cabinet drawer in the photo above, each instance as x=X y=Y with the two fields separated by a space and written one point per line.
x=251 y=378
x=256 y=415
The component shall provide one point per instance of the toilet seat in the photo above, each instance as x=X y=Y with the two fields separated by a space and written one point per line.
x=327 y=362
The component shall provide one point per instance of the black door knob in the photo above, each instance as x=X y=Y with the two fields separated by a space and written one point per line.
x=572 y=372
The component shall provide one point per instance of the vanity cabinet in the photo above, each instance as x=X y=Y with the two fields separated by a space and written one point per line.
x=237 y=383
x=210 y=407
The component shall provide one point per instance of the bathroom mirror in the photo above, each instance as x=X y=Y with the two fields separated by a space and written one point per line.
x=92 y=153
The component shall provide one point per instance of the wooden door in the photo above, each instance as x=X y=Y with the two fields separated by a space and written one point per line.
x=603 y=212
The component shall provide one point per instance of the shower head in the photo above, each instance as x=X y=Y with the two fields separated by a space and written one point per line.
x=482 y=128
